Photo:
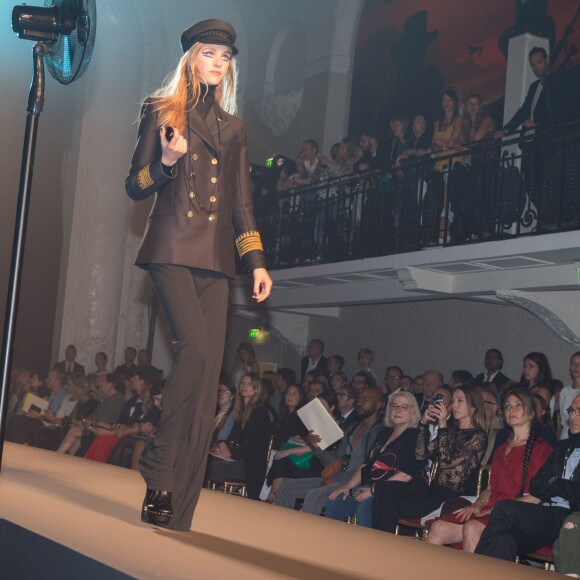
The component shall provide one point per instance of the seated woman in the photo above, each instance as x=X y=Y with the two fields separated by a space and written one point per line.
x=83 y=407
x=137 y=418
x=392 y=458
x=224 y=417
x=128 y=450
x=243 y=455
x=515 y=463
x=245 y=362
x=293 y=458
x=458 y=447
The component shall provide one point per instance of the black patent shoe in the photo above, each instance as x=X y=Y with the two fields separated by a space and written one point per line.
x=157 y=508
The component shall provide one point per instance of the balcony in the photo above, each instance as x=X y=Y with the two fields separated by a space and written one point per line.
x=499 y=219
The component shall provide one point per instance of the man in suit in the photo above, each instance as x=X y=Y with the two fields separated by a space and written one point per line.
x=432 y=380
x=315 y=360
x=69 y=366
x=535 y=109
x=129 y=366
x=346 y=401
x=493 y=363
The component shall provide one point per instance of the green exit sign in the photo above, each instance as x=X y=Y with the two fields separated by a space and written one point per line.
x=254 y=333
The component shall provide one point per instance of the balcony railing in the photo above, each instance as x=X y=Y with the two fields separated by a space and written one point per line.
x=522 y=186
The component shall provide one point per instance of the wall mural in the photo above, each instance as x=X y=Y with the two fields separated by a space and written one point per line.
x=408 y=51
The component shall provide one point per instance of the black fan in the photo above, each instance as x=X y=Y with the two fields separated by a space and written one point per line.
x=71 y=53
x=64 y=32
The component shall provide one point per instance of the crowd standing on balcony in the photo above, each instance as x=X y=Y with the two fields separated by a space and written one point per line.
x=429 y=181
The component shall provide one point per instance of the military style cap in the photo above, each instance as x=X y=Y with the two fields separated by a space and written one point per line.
x=211 y=31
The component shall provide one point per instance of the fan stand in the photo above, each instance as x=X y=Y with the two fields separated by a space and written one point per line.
x=35 y=106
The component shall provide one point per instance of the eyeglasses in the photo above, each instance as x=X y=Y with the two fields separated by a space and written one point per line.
x=517 y=406
x=573 y=411
x=396 y=407
x=392 y=377
x=223 y=391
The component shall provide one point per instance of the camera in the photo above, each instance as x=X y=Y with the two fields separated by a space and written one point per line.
x=437 y=398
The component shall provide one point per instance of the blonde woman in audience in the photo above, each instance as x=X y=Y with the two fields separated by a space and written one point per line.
x=243 y=455
x=459 y=447
x=245 y=362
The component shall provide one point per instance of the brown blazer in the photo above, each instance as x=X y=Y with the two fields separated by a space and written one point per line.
x=178 y=230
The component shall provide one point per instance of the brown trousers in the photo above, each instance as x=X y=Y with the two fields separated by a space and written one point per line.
x=195 y=305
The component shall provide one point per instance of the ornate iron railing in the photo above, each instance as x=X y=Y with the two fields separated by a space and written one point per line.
x=522 y=186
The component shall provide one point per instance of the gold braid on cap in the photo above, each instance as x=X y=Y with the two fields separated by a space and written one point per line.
x=144 y=178
x=249 y=241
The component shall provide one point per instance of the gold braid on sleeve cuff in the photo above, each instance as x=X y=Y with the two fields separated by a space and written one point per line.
x=144 y=178
x=249 y=241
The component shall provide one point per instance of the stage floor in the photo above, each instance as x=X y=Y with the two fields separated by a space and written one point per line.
x=94 y=509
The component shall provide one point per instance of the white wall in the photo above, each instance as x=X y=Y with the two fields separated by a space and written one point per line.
x=443 y=334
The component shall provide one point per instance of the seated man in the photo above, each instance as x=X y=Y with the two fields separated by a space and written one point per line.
x=517 y=527
x=348 y=457
x=24 y=427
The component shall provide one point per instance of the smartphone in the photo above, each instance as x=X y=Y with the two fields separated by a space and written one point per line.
x=437 y=398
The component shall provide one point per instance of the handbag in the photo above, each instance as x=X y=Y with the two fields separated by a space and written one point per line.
x=299 y=461
x=330 y=471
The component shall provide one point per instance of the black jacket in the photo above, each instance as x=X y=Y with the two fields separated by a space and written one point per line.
x=548 y=482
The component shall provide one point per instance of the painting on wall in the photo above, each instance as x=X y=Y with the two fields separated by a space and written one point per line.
x=408 y=51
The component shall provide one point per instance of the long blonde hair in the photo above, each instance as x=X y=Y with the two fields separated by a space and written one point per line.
x=181 y=90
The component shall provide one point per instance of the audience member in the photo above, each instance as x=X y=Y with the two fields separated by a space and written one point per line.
x=535 y=109
x=566 y=554
x=69 y=365
x=407 y=383
x=138 y=417
x=431 y=381
x=224 y=417
x=362 y=380
x=569 y=393
x=340 y=465
x=392 y=458
x=111 y=400
x=344 y=162
x=458 y=449
x=419 y=140
x=294 y=458
x=516 y=462
x=245 y=362
x=372 y=159
x=312 y=166
x=100 y=363
x=447 y=128
x=23 y=428
x=315 y=359
x=314 y=389
x=338 y=381
x=517 y=527
x=144 y=361
x=537 y=375
x=243 y=455
x=493 y=363
x=460 y=378
x=335 y=364
x=346 y=397
x=365 y=358
x=127 y=368
x=393 y=380
x=492 y=413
